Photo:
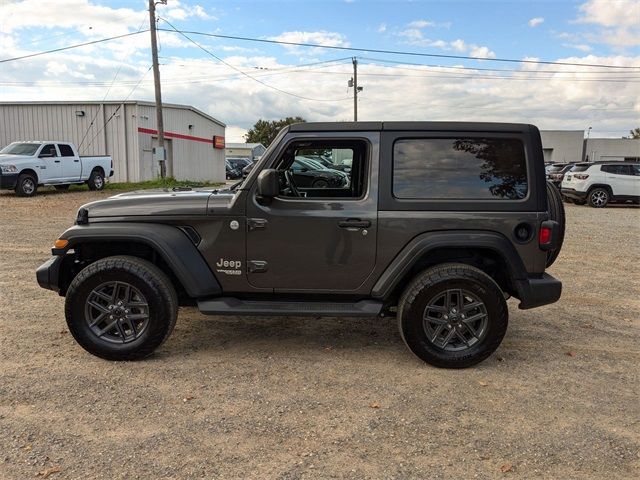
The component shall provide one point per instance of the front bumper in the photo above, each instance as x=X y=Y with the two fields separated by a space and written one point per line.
x=8 y=181
x=573 y=194
x=535 y=292
x=48 y=274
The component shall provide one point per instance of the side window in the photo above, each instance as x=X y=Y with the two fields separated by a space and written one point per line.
x=635 y=170
x=324 y=169
x=65 y=150
x=616 y=169
x=49 y=151
x=459 y=168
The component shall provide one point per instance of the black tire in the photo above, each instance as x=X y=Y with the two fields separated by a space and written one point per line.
x=96 y=180
x=320 y=184
x=437 y=281
x=27 y=185
x=599 y=197
x=154 y=286
x=62 y=187
x=556 y=213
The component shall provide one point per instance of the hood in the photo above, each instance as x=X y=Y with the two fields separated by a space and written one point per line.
x=6 y=159
x=164 y=202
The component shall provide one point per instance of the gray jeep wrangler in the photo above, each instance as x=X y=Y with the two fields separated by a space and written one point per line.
x=437 y=224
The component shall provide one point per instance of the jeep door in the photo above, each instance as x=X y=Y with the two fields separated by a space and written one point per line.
x=621 y=179
x=316 y=239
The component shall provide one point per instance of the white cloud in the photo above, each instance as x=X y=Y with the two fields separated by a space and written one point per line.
x=382 y=28
x=320 y=37
x=617 y=22
x=428 y=23
x=583 y=47
x=414 y=35
x=535 y=21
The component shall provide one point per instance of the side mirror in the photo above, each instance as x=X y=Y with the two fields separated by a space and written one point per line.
x=268 y=183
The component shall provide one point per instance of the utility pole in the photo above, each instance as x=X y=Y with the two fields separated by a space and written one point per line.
x=160 y=152
x=356 y=89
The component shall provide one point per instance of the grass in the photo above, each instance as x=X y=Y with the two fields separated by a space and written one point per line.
x=168 y=182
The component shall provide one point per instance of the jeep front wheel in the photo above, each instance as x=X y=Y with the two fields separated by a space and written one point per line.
x=121 y=308
x=453 y=316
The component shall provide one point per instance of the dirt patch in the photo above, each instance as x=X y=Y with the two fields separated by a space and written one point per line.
x=289 y=398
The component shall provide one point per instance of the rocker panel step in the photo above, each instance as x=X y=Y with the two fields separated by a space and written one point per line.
x=236 y=306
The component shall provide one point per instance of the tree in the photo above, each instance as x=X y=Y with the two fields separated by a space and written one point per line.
x=264 y=131
x=635 y=133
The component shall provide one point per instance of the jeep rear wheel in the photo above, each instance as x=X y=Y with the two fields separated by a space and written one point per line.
x=453 y=316
x=121 y=308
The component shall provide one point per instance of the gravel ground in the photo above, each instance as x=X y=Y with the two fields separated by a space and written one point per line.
x=324 y=398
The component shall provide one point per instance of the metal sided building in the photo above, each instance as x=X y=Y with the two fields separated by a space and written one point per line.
x=194 y=141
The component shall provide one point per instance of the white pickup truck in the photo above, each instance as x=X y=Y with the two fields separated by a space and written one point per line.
x=26 y=165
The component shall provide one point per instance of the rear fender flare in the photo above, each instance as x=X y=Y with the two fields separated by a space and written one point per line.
x=427 y=242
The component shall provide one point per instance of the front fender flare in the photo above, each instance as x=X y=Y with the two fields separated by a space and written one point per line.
x=173 y=245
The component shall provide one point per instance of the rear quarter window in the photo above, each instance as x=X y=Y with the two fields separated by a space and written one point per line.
x=481 y=168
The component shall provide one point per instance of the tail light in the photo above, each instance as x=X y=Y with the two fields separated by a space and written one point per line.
x=581 y=176
x=547 y=236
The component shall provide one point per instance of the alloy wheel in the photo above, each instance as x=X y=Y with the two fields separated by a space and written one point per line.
x=455 y=320
x=117 y=312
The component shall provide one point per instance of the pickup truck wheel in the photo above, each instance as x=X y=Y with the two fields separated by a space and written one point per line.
x=96 y=180
x=453 y=316
x=26 y=186
x=121 y=308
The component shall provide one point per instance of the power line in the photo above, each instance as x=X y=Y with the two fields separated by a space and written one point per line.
x=93 y=42
x=372 y=61
x=394 y=52
x=208 y=52
x=117 y=109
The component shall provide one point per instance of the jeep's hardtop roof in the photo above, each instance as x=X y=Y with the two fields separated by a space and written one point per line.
x=409 y=126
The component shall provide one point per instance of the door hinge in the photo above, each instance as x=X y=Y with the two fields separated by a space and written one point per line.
x=257 y=266
x=256 y=223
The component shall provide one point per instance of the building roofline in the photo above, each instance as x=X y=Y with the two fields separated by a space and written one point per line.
x=119 y=102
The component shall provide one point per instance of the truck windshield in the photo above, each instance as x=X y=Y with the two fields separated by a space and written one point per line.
x=20 y=149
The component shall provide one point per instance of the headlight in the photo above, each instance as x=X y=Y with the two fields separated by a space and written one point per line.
x=8 y=169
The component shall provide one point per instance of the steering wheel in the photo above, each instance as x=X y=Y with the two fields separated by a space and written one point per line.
x=288 y=174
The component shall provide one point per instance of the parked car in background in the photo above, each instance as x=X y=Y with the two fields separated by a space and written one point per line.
x=602 y=183
x=232 y=173
x=24 y=166
x=308 y=172
x=238 y=163
x=557 y=171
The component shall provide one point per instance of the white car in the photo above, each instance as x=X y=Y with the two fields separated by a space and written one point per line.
x=26 y=165
x=601 y=183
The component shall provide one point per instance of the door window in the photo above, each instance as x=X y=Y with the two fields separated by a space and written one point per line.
x=65 y=150
x=324 y=169
x=49 y=151
x=617 y=169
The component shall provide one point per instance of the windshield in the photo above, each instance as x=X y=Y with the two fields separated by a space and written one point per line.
x=21 y=149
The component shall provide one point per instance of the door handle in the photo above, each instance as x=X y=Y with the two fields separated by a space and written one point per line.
x=56 y=161
x=256 y=223
x=76 y=160
x=354 y=223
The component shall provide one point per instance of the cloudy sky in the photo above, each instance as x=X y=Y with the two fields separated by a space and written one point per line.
x=260 y=80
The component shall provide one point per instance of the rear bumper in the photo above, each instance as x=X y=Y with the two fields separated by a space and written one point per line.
x=48 y=273
x=535 y=292
x=573 y=194
x=8 y=181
